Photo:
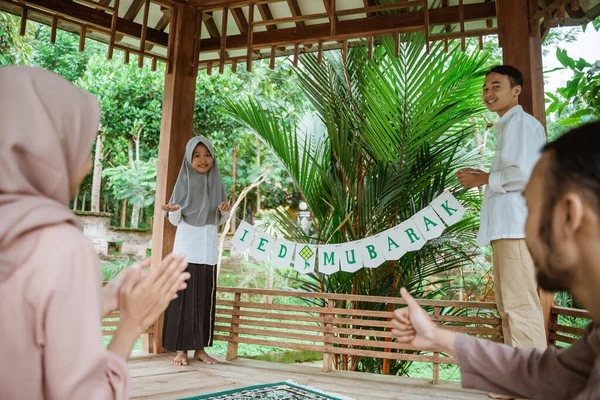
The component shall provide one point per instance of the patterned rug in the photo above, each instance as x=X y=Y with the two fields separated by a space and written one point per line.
x=273 y=391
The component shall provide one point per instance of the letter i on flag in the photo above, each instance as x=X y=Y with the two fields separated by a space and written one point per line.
x=304 y=262
x=243 y=236
x=282 y=253
x=448 y=208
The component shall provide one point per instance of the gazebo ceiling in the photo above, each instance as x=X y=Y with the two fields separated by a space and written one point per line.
x=235 y=31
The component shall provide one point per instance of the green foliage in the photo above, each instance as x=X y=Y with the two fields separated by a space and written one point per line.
x=130 y=103
x=14 y=49
x=581 y=94
x=137 y=184
x=63 y=57
x=385 y=142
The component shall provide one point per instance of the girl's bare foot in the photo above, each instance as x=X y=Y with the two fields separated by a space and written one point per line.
x=205 y=358
x=180 y=359
x=500 y=396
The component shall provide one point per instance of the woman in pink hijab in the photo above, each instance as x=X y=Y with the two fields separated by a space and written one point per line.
x=51 y=300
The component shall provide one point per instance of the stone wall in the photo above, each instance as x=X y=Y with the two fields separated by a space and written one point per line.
x=129 y=241
x=96 y=227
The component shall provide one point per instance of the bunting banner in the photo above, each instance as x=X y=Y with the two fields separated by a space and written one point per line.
x=370 y=252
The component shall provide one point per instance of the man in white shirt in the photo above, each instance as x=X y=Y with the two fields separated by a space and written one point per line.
x=519 y=139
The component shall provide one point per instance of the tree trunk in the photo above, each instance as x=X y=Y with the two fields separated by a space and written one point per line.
x=97 y=177
x=258 y=187
x=83 y=201
x=123 y=212
x=233 y=187
x=135 y=217
x=75 y=201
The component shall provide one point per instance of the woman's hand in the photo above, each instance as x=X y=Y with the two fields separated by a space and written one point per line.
x=142 y=297
x=224 y=207
x=110 y=292
x=171 y=207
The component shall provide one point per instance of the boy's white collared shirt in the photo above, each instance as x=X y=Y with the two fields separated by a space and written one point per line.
x=519 y=140
x=199 y=244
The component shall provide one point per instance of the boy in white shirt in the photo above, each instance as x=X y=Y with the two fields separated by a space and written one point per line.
x=519 y=139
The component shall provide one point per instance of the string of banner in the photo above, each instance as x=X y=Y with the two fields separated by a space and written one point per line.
x=370 y=252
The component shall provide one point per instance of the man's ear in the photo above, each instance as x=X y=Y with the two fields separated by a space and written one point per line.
x=517 y=90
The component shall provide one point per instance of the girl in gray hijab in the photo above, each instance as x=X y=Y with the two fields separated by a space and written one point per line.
x=197 y=206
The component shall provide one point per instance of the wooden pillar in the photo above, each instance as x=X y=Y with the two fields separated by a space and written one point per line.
x=175 y=131
x=521 y=43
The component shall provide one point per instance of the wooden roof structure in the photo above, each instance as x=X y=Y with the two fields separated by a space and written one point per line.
x=234 y=31
x=189 y=35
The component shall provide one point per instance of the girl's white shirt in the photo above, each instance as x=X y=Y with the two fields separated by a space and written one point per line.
x=199 y=244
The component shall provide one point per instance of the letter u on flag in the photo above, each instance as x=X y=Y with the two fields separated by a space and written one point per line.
x=351 y=256
x=304 y=262
x=243 y=236
x=282 y=253
x=448 y=208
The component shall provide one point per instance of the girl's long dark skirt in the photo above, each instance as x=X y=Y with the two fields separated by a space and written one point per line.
x=190 y=318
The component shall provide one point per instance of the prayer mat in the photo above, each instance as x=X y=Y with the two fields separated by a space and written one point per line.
x=273 y=391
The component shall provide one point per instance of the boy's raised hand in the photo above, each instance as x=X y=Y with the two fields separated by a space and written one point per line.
x=171 y=207
x=224 y=207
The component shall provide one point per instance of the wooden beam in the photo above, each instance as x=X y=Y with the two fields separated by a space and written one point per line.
x=295 y=9
x=371 y=26
x=99 y=18
x=240 y=19
x=133 y=10
x=266 y=15
x=161 y=25
x=213 y=31
x=175 y=131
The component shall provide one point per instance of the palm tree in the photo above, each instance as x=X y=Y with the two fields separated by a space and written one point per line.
x=394 y=130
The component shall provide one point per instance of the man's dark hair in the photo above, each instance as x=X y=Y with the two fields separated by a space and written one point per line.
x=514 y=75
x=574 y=165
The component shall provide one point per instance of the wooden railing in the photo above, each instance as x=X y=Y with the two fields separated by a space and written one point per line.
x=562 y=335
x=346 y=327
x=110 y=323
x=342 y=327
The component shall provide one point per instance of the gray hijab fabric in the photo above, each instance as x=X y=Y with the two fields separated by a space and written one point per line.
x=199 y=195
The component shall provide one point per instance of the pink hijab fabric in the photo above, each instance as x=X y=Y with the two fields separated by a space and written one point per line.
x=47 y=128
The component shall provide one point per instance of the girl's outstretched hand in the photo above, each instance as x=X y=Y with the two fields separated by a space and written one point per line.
x=224 y=207
x=170 y=207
